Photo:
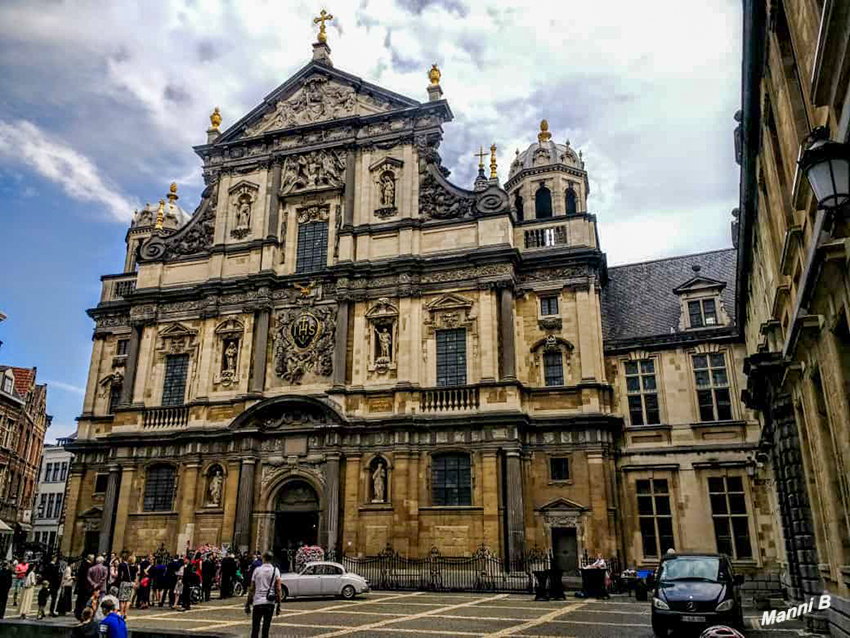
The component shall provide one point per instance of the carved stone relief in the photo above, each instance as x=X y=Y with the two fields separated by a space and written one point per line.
x=324 y=168
x=318 y=100
x=304 y=342
x=194 y=238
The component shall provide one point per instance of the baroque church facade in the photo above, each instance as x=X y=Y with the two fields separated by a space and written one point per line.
x=340 y=346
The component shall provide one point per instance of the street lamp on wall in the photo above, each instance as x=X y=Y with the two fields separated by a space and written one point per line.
x=826 y=165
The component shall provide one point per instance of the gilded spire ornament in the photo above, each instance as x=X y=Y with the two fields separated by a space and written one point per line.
x=493 y=173
x=172 y=192
x=215 y=119
x=160 y=214
x=324 y=16
x=434 y=74
x=544 y=135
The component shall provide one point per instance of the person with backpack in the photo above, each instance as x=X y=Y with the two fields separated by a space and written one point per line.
x=264 y=594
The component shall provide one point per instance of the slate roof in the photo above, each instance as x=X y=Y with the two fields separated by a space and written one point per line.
x=639 y=300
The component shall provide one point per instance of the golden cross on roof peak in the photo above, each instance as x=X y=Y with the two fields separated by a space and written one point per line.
x=481 y=154
x=324 y=16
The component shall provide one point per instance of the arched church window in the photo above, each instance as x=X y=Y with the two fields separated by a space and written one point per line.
x=159 y=489
x=572 y=208
x=518 y=204
x=543 y=203
x=451 y=479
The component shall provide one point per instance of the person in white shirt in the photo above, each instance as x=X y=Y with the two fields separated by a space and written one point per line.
x=265 y=594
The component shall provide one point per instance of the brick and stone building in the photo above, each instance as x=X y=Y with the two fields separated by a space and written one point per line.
x=794 y=291
x=23 y=424
x=341 y=346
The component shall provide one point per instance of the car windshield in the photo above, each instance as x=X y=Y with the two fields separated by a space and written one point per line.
x=697 y=568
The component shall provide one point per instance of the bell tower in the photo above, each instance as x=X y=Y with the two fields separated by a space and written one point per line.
x=547 y=179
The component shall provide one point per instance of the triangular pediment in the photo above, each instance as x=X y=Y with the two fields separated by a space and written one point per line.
x=449 y=301
x=562 y=504
x=92 y=512
x=176 y=330
x=700 y=283
x=316 y=93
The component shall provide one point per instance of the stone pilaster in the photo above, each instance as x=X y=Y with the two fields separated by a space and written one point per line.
x=244 y=506
x=186 y=511
x=72 y=504
x=398 y=495
x=110 y=500
x=490 y=485
x=131 y=365
x=514 y=501
x=341 y=343
x=413 y=480
x=350 y=167
x=261 y=343
x=123 y=508
x=506 y=333
x=231 y=488
x=274 y=203
x=351 y=503
x=332 y=501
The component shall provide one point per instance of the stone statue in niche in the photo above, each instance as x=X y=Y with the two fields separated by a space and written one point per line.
x=243 y=217
x=387 y=189
x=228 y=362
x=378 y=484
x=243 y=195
x=384 y=343
x=216 y=484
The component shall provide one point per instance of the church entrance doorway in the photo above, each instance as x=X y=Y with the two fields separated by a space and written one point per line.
x=565 y=549
x=296 y=520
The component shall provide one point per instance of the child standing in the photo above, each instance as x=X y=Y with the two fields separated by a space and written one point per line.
x=43 y=595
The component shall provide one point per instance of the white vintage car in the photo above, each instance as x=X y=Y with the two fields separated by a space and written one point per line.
x=323 y=578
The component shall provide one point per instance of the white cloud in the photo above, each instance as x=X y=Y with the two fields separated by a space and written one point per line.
x=67 y=387
x=75 y=173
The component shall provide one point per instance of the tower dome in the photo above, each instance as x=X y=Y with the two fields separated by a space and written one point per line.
x=547 y=179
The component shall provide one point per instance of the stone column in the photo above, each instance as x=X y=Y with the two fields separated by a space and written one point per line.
x=274 y=203
x=229 y=501
x=131 y=365
x=244 y=506
x=350 y=159
x=515 y=509
x=341 y=343
x=506 y=333
x=123 y=509
x=332 y=501
x=110 y=500
x=72 y=500
x=261 y=343
x=186 y=509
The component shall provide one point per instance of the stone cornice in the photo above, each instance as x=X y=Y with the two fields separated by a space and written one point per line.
x=666 y=341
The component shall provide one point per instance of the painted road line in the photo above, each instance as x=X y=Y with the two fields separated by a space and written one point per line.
x=422 y=614
x=510 y=631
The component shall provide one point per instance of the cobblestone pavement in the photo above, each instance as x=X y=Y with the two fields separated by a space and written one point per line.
x=409 y=614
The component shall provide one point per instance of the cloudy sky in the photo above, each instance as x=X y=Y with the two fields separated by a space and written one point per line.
x=102 y=102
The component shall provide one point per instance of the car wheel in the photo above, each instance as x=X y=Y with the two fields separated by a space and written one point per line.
x=283 y=593
x=659 y=628
x=348 y=592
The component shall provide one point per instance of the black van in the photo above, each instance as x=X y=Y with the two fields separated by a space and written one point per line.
x=695 y=591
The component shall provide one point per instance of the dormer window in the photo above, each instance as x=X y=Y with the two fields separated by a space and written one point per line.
x=702 y=313
x=7 y=384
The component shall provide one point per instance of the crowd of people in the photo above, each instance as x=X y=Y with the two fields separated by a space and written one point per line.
x=62 y=587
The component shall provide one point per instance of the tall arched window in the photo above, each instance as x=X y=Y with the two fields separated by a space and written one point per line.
x=572 y=208
x=159 y=489
x=542 y=203
x=451 y=479
x=518 y=204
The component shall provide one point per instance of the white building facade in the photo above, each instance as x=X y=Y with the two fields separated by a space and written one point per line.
x=49 y=500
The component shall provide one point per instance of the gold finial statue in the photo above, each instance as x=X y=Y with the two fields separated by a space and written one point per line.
x=434 y=74
x=215 y=119
x=160 y=214
x=172 y=192
x=544 y=135
x=481 y=154
x=493 y=173
x=324 y=16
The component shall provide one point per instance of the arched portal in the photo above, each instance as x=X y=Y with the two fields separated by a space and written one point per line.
x=296 y=518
